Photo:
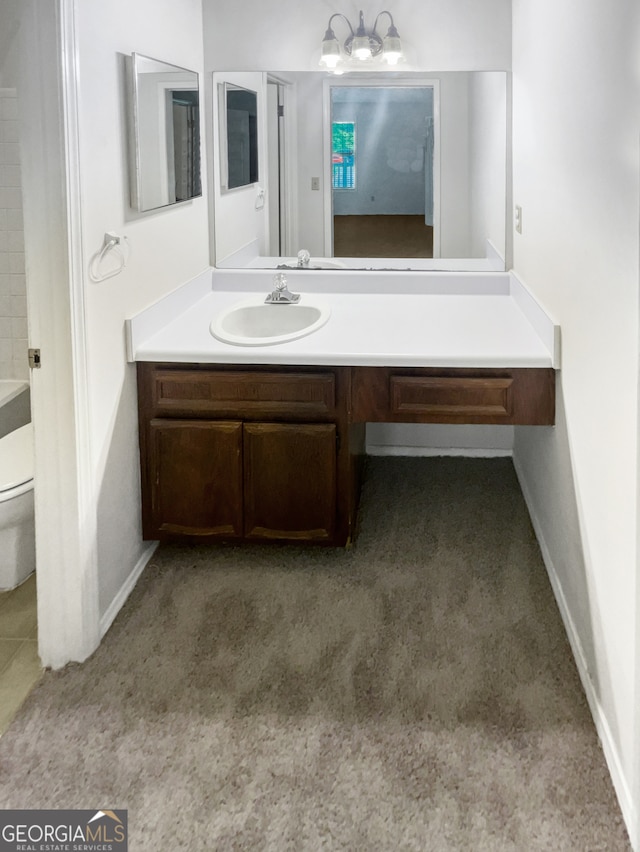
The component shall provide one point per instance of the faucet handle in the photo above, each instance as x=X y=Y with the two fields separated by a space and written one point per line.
x=280 y=294
x=303 y=257
x=280 y=281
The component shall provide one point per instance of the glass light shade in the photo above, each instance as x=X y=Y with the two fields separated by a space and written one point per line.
x=361 y=48
x=391 y=49
x=330 y=55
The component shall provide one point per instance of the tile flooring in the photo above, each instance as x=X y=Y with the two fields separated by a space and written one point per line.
x=20 y=667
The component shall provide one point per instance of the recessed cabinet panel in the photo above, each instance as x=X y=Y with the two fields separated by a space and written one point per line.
x=245 y=392
x=196 y=478
x=445 y=396
x=449 y=395
x=290 y=481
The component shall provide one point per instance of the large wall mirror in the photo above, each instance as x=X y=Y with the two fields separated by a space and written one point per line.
x=165 y=134
x=402 y=170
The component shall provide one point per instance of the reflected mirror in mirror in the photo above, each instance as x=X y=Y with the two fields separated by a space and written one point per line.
x=347 y=162
x=239 y=129
x=165 y=138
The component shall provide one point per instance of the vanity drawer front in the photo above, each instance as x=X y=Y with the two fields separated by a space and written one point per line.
x=453 y=395
x=443 y=396
x=244 y=392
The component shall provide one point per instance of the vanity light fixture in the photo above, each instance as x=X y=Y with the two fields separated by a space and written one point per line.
x=361 y=45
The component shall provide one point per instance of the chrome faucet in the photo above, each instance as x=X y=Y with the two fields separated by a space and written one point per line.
x=303 y=259
x=281 y=295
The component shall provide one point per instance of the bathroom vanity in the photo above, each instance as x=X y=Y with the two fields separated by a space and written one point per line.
x=273 y=453
x=265 y=443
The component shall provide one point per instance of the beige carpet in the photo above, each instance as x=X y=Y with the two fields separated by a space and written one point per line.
x=414 y=693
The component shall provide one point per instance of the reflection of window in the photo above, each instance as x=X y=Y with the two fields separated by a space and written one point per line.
x=343 y=154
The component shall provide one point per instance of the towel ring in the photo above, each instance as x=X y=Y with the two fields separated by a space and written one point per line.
x=112 y=243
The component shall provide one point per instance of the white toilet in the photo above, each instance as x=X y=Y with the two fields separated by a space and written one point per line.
x=17 y=527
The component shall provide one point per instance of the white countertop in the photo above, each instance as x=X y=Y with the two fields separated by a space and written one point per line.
x=421 y=320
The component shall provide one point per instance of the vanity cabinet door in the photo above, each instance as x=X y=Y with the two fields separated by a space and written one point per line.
x=196 y=478
x=290 y=481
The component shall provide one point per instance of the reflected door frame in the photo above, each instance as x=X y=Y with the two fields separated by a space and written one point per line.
x=377 y=82
x=282 y=164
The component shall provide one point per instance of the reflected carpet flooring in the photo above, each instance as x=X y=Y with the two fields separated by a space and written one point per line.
x=382 y=236
x=416 y=692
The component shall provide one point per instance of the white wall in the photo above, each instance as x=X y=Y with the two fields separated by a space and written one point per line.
x=168 y=247
x=576 y=176
x=286 y=34
x=310 y=160
x=417 y=439
x=487 y=148
x=455 y=162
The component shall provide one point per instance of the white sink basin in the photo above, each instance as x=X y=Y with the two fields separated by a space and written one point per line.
x=254 y=323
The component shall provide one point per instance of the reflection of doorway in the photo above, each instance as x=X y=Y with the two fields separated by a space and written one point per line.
x=184 y=164
x=384 y=192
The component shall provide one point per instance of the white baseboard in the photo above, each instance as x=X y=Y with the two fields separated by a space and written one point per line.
x=609 y=747
x=472 y=452
x=125 y=589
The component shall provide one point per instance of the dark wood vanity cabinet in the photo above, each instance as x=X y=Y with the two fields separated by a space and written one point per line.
x=274 y=453
x=264 y=454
